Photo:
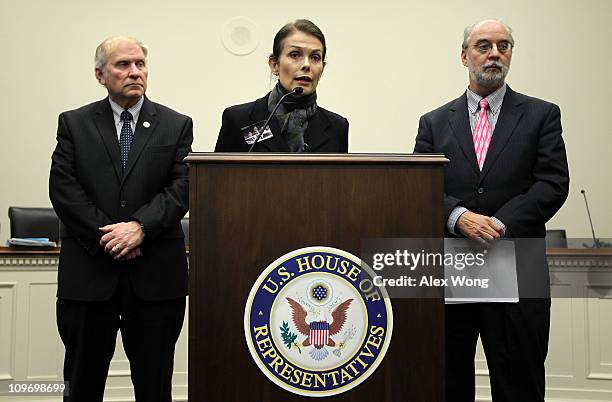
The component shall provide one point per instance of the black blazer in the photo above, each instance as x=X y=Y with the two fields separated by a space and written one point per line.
x=326 y=132
x=525 y=178
x=89 y=189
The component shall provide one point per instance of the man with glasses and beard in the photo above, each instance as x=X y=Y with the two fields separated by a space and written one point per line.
x=506 y=178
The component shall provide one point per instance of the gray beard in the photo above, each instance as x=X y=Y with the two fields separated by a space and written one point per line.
x=492 y=79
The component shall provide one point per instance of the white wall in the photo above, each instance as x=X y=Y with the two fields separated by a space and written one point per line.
x=389 y=61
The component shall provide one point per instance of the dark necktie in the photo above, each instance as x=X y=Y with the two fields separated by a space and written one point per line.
x=125 y=139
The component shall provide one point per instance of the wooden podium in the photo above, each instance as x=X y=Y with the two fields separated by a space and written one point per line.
x=246 y=210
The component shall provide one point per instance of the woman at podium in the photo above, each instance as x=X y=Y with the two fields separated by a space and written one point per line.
x=295 y=122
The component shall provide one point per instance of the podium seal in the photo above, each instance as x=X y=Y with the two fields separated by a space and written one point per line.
x=315 y=323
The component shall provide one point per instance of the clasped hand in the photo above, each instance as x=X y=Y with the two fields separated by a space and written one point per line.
x=478 y=227
x=122 y=240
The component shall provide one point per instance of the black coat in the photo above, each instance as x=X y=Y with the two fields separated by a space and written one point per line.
x=524 y=180
x=326 y=132
x=89 y=190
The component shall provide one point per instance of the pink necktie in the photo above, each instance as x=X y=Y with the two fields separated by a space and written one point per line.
x=482 y=134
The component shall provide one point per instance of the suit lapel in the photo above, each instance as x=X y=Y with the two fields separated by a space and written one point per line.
x=460 y=124
x=260 y=113
x=315 y=135
x=509 y=117
x=105 y=123
x=148 y=114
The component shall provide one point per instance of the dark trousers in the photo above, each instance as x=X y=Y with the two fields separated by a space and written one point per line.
x=149 y=330
x=514 y=337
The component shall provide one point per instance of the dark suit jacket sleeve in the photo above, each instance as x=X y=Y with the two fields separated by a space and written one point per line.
x=228 y=141
x=167 y=207
x=551 y=181
x=344 y=136
x=424 y=144
x=69 y=199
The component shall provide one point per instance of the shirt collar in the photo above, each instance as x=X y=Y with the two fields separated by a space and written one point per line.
x=494 y=99
x=134 y=110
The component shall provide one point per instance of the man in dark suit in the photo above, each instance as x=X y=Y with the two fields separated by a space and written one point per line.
x=120 y=187
x=507 y=177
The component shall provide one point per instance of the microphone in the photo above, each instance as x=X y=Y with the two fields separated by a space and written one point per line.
x=297 y=91
x=595 y=241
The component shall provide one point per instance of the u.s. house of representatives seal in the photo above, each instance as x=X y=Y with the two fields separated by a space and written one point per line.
x=315 y=323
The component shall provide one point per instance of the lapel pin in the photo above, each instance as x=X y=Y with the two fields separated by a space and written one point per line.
x=146 y=124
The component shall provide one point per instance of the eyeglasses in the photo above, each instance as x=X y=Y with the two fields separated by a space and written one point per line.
x=485 y=46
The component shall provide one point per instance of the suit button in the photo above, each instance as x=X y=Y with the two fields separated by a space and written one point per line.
x=480 y=190
x=123 y=203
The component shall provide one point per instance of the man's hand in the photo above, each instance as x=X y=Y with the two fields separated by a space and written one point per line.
x=131 y=255
x=122 y=240
x=479 y=227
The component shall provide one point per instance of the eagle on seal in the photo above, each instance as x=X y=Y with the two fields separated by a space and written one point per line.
x=319 y=333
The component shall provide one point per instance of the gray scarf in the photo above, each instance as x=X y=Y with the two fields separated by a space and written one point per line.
x=293 y=115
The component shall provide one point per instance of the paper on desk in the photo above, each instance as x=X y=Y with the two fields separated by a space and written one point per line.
x=31 y=242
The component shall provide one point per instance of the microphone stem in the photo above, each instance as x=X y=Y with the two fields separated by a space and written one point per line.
x=595 y=243
x=270 y=117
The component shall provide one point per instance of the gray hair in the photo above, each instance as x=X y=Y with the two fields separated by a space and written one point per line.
x=470 y=28
x=107 y=46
